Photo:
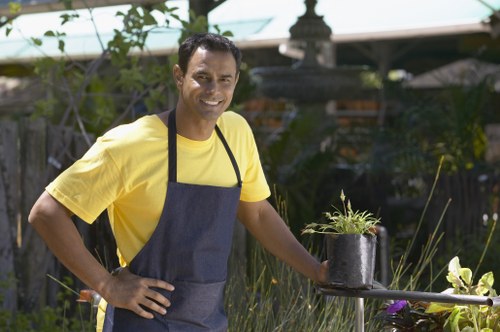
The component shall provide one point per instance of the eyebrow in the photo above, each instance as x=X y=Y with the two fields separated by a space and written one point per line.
x=204 y=72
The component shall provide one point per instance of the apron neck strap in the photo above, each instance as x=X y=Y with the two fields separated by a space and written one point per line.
x=172 y=147
x=230 y=154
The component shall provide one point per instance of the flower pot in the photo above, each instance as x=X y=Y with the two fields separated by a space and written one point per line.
x=351 y=260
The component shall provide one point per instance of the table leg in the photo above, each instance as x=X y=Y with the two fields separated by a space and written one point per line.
x=360 y=314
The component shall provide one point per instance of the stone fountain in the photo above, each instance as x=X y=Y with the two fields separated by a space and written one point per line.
x=308 y=81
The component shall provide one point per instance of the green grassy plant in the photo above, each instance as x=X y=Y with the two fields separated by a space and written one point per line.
x=272 y=297
x=345 y=221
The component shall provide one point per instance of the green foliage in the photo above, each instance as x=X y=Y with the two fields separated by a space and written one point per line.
x=124 y=79
x=273 y=297
x=345 y=221
x=14 y=10
x=447 y=123
x=58 y=35
x=420 y=316
x=466 y=318
x=61 y=318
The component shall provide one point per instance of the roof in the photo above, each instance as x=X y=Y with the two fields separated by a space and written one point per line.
x=256 y=23
x=465 y=72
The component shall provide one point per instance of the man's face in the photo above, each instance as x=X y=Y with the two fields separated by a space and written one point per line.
x=206 y=89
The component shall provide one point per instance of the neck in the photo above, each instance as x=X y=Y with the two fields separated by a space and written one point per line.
x=193 y=128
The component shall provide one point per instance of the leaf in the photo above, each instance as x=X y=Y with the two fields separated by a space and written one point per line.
x=485 y=284
x=161 y=7
x=68 y=18
x=439 y=307
x=468 y=329
x=454 y=265
x=466 y=275
x=454 y=273
x=36 y=41
x=453 y=320
x=61 y=45
x=149 y=19
x=49 y=33
x=172 y=9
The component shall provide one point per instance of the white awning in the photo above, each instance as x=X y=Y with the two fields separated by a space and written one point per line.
x=465 y=72
x=255 y=23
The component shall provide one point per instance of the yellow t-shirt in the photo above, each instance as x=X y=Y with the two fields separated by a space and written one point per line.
x=126 y=172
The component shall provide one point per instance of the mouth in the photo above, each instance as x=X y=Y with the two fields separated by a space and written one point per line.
x=211 y=102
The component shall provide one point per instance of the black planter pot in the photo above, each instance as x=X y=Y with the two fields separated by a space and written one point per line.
x=351 y=260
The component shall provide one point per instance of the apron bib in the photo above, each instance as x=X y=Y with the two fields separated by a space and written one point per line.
x=189 y=248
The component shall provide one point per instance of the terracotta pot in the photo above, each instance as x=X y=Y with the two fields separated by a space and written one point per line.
x=351 y=260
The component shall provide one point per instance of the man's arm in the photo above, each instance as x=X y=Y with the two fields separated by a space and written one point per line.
x=53 y=223
x=265 y=224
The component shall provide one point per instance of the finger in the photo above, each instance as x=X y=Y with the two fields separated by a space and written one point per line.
x=157 y=283
x=148 y=282
x=143 y=313
x=152 y=305
x=157 y=297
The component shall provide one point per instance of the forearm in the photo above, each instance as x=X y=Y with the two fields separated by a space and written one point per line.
x=274 y=235
x=53 y=223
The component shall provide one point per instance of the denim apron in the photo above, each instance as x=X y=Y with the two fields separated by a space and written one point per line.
x=189 y=249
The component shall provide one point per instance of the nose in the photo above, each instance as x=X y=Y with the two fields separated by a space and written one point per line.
x=211 y=87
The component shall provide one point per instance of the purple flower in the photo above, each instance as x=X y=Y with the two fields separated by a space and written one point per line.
x=396 y=306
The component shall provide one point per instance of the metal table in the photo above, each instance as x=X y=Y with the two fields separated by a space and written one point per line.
x=360 y=295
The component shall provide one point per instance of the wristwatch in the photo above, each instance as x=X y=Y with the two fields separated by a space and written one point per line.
x=116 y=271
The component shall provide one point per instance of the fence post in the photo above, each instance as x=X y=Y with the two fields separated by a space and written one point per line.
x=9 y=203
x=34 y=255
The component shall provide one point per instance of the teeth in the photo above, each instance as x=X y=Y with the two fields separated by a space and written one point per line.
x=212 y=103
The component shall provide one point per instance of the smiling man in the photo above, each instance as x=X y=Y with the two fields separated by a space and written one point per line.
x=173 y=185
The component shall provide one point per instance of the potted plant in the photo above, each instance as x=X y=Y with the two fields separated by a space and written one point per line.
x=350 y=245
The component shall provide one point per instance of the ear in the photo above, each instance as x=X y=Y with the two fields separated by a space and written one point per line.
x=237 y=77
x=178 y=75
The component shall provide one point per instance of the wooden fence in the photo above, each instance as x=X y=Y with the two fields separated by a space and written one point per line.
x=32 y=153
x=472 y=196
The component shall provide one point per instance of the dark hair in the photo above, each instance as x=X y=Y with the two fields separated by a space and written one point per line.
x=210 y=42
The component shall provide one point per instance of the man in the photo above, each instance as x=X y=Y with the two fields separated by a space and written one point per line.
x=172 y=184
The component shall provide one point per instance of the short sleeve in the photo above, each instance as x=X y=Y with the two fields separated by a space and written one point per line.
x=255 y=187
x=90 y=185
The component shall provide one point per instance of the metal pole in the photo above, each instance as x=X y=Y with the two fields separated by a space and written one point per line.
x=360 y=314
x=383 y=237
x=414 y=295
